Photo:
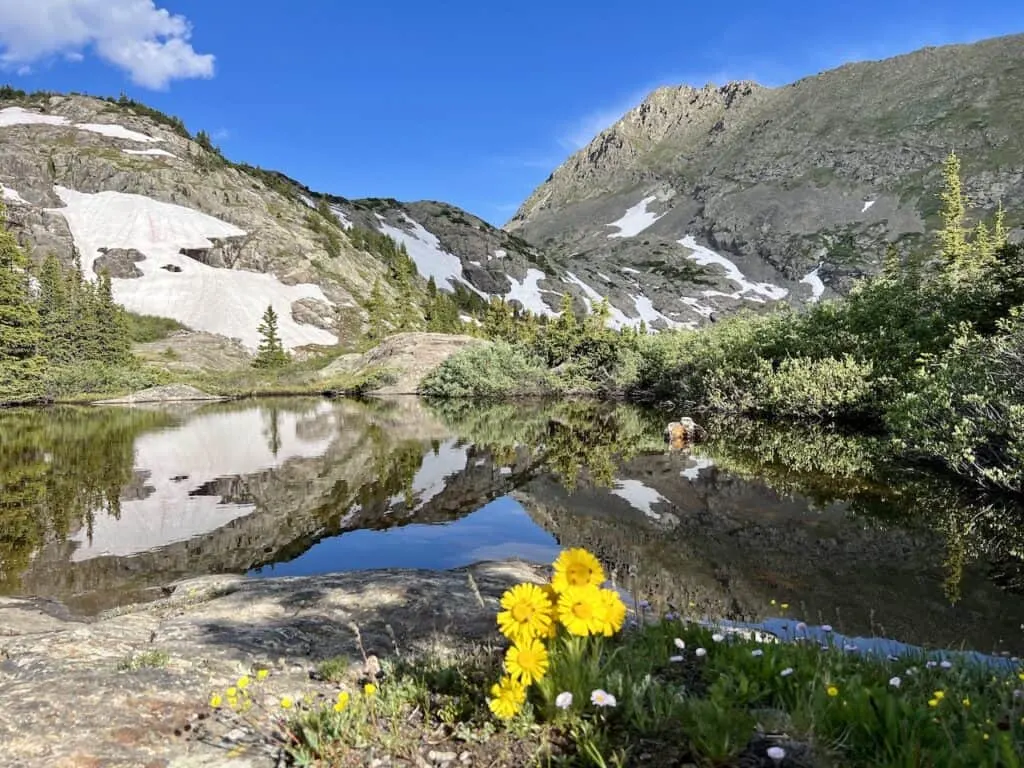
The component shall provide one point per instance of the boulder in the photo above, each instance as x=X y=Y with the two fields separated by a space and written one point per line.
x=679 y=433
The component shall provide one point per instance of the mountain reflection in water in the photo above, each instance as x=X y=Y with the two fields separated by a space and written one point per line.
x=102 y=507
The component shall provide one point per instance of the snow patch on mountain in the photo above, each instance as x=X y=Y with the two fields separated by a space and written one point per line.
x=867 y=204
x=636 y=219
x=9 y=195
x=224 y=301
x=705 y=256
x=528 y=293
x=645 y=308
x=12 y=116
x=816 y=283
x=154 y=152
x=701 y=309
x=339 y=214
x=430 y=258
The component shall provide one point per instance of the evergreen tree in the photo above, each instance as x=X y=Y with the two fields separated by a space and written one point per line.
x=55 y=312
x=271 y=352
x=952 y=236
x=999 y=234
x=21 y=362
x=112 y=324
x=377 y=311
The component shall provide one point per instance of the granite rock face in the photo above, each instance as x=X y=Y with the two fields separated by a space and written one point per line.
x=116 y=709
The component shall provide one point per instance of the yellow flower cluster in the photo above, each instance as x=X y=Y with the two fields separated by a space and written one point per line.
x=532 y=614
x=237 y=695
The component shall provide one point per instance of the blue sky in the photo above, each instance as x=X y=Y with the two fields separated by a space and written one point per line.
x=471 y=103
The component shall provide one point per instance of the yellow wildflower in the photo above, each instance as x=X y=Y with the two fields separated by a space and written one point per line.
x=577 y=568
x=342 y=702
x=369 y=689
x=966 y=702
x=612 y=612
x=527 y=663
x=940 y=695
x=772 y=601
x=216 y=700
x=784 y=606
x=579 y=610
x=507 y=699
x=243 y=682
x=262 y=674
x=286 y=702
x=527 y=613
x=233 y=702
x=1021 y=676
x=933 y=702
x=832 y=691
x=232 y=692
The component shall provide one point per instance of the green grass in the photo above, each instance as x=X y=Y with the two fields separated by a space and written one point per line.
x=147 y=659
x=333 y=670
x=147 y=328
x=723 y=705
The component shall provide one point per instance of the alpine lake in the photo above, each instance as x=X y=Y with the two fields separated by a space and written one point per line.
x=759 y=525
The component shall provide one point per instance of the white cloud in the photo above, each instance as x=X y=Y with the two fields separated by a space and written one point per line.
x=149 y=43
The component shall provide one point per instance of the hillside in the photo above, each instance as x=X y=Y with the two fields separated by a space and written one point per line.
x=796 y=189
x=696 y=202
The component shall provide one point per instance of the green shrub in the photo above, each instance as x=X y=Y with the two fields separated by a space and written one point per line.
x=965 y=407
x=146 y=328
x=488 y=371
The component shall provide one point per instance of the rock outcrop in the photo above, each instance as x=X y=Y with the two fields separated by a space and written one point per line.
x=405 y=357
x=206 y=634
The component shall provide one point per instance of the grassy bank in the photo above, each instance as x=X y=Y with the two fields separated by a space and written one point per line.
x=570 y=685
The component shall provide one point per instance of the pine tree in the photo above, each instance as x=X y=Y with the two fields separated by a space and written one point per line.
x=21 y=362
x=983 y=244
x=952 y=237
x=999 y=234
x=114 y=344
x=271 y=353
x=377 y=311
x=55 y=312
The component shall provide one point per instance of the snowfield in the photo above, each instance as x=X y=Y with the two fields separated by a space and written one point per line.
x=10 y=196
x=18 y=116
x=430 y=258
x=618 y=319
x=340 y=214
x=701 y=309
x=225 y=301
x=636 y=219
x=817 y=286
x=154 y=152
x=528 y=294
x=705 y=256
x=202 y=450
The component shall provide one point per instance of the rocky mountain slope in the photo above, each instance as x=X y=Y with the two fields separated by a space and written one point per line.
x=795 y=190
x=697 y=201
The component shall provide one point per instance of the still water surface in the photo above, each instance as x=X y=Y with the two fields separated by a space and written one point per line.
x=101 y=507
